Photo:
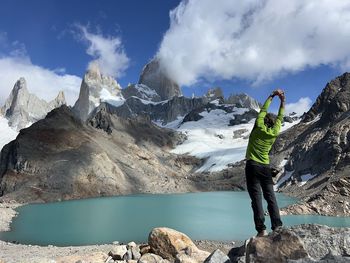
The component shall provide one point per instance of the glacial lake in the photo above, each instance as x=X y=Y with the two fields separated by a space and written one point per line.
x=211 y=215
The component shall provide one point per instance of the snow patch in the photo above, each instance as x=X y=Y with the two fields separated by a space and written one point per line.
x=285 y=178
x=307 y=177
x=7 y=134
x=115 y=100
x=212 y=139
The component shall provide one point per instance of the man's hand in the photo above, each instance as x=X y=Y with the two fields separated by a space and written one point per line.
x=277 y=92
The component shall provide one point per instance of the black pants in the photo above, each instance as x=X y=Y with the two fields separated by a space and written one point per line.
x=259 y=177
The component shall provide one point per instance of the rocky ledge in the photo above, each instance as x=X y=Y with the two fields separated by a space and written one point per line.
x=304 y=243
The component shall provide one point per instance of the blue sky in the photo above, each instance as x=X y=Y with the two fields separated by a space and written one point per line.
x=46 y=37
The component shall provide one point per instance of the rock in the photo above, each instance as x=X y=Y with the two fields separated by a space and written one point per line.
x=288 y=119
x=144 y=249
x=163 y=112
x=155 y=77
x=217 y=257
x=131 y=244
x=141 y=91
x=184 y=258
x=118 y=252
x=214 y=94
x=128 y=255
x=237 y=254
x=243 y=101
x=275 y=248
x=168 y=243
x=96 y=88
x=152 y=258
x=243 y=118
x=136 y=254
x=239 y=133
x=23 y=108
x=322 y=241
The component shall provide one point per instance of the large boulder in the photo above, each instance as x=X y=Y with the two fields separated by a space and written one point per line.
x=277 y=247
x=168 y=243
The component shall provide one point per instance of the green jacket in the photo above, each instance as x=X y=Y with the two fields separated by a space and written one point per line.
x=262 y=138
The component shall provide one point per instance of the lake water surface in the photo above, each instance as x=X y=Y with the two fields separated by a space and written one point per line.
x=212 y=215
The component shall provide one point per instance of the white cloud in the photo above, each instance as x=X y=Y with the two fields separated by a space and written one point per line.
x=108 y=52
x=42 y=82
x=253 y=39
x=299 y=107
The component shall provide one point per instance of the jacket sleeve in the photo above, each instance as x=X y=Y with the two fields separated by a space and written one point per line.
x=277 y=127
x=263 y=111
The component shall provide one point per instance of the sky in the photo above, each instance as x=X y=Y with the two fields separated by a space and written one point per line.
x=251 y=46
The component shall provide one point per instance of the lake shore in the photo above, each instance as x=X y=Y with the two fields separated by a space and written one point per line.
x=31 y=253
x=7 y=213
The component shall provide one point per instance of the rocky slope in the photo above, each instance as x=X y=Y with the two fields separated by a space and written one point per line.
x=23 y=108
x=60 y=158
x=316 y=154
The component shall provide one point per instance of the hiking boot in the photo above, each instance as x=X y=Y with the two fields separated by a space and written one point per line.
x=262 y=233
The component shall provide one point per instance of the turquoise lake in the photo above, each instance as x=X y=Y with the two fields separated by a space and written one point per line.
x=212 y=215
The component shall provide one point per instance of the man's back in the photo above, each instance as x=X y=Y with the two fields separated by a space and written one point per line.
x=262 y=137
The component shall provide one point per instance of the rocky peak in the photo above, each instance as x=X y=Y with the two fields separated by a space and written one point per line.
x=156 y=78
x=332 y=102
x=23 y=108
x=59 y=100
x=214 y=93
x=243 y=100
x=94 y=89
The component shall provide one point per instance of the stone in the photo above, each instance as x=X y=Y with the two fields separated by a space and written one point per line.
x=184 y=258
x=218 y=257
x=128 y=255
x=136 y=254
x=275 y=248
x=131 y=244
x=168 y=242
x=322 y=241
x=118 y=252
x=144 y=249
x=152 y=258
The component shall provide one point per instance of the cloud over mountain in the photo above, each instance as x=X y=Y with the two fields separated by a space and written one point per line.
x=253 y=39
x=44 y=82
x=108 y=52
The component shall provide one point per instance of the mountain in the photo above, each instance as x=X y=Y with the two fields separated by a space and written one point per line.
x=161 y=112
x=23 y=108
x=315 y=154
x=141 y=91
x=96 y=88
x=244 y=101
x=154 y=77
x=61 y=157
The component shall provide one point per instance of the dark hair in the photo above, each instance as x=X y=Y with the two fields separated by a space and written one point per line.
x=270 y=120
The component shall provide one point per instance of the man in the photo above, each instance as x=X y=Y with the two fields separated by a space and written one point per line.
x=258 y=172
